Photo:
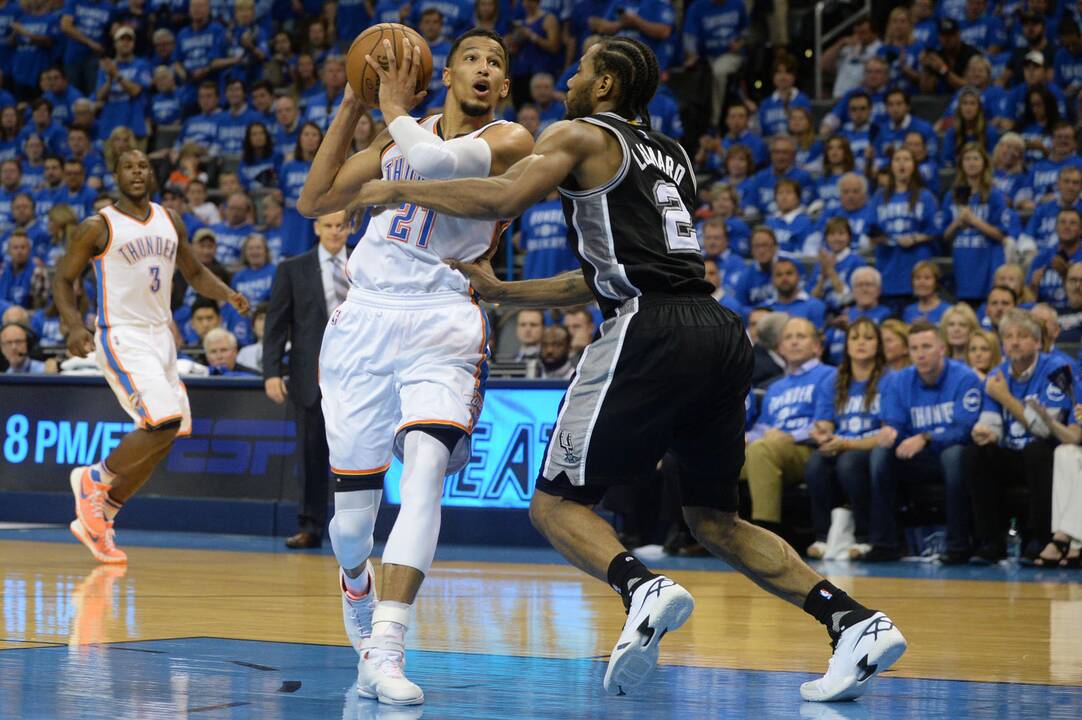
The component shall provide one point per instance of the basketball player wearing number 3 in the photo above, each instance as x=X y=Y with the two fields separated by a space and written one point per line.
x=402 y=366
x=134 y=245
x=670 y=371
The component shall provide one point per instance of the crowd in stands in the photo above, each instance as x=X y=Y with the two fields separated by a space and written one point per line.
x=912 y=279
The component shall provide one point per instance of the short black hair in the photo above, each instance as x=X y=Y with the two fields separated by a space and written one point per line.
x=897 y=91
x=1007 y=289
x=482 y=32
x=205 y=302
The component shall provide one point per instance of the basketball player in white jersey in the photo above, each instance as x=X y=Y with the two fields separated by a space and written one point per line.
x=135 y=244
x=402 y=367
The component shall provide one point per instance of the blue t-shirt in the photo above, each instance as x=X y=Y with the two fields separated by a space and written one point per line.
x=201 y=129
x=1041 y=228
x=976 y=256
x=803 y=306
x=92 y=18
x=1046 y=174
x=1014 y=434
x=756 y=286
x=912 y=313
x=792 y=231
x=81 y=201
x=254 y=284
x=229 y=138
x=15 y=286
x=861 y=140
x=664 y=114
x=457 y=15
x=950 y=146
x=230 y=241
x=947 y=409
x=351 y=19
x=1018 y=187
x=984 y=32
x=544 y=239
x=774 y=112
x=1068 y=70
x=845 y=264
x=827 y=191
x=887 y=135
x=298 y=234
x=790 y=402
x=122 y=109
x=8 y=14
x=894 y=218
x=840 y=110
x=655 y=11
x=751 y=141
x=165 y=108
x=30 y=60
x=860 y=221
x=1051 y=289
x=259 y=173
x=196 y=49
x=835 y=336
x=47 y=328
x=61 y=103
x=762 y=188
x=436 y=91
x=853 y=421
x=45 y=198
x=711 y=28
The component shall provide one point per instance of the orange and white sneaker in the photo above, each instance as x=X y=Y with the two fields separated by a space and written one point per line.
x=102 y=546
x=89 y=500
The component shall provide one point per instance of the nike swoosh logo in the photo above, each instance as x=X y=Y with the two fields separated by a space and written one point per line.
x=90 y=535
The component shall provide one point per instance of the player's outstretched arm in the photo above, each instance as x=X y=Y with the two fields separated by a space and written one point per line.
x=557 y=154
x=90 y=239
x=564 y=290
x=202 y=280
x=335 y=178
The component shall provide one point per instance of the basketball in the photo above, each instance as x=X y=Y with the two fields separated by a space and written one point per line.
x=363 y=79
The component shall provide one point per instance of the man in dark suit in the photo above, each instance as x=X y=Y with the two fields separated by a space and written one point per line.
x=765 y=330
x=306 y=290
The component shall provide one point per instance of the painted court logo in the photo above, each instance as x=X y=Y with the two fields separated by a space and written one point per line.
x=568 y=446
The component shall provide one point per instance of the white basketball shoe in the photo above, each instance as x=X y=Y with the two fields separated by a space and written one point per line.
x=380 y=673
x=357 y=612
x=862 y=652
x=657 y=606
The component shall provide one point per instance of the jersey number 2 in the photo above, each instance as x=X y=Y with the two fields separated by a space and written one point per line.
x=155 y=278
x=679 y=230
x=405 y=229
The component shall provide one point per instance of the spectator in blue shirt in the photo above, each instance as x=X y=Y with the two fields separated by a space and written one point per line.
x=791 y=226
x=11 y=176
x=774 y=110
x=51 y=190
x=651 y=22
x=42 y=124
x=9 y=13
x=716 y=247
x=259 y=163
x=715 y=30
x=874 y=85
x=1014 y=444
x=25 y=220
x=165 y=107
x=756 y=285
x=905 y=225
x=837 y=161
x=902 y=50
x=867 y=286
x=739 y=132
x=664 y=113
x=1011 y=175
x=782 y=165
x=859 y=130
x=780 y=443
x=201 y=47
x=976 y=222
x=900 y=122
x=830 y=278
x=809 y=148
x=122 y=87
x=1040 y=233
x=37 y=42
x=535 y=44
x=846 y=429
x=1000 y=299
x=543 y=237
x=789 y=298
x=249 y=42
x=431 y=26
x=18 y=271
x=254 y=279
x=456 y=16
x=1050 y=266
x=722 y=294
x=854 y=207
x=79 y=148
x=543 y=95
x=1070 y=319
x=236 y=228
x=287 y=126
x=86 y=25
x=982 y=29
x=928 y=306
x=1039 y=116
x=57 y=91
x=725 y=205
x=1063 y=153
x=970 y=126
x=927 y=411
x=233 y=123
x=76 y=194
x=1067 y=63
x=202 y=129
x=298 y=232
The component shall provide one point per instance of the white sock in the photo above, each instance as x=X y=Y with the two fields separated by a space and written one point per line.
x=104 y=474
x=359 y=586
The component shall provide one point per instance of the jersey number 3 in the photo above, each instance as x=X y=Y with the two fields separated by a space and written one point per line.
x=155 y=278
x=679 y=230
x=405 y=227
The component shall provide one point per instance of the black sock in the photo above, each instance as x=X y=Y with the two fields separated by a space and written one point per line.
x=625 y=574
x=836 y=610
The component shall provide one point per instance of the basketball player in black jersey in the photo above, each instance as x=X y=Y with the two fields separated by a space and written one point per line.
x=670 y=371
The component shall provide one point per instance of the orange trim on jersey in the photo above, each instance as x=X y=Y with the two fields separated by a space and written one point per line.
x=497 y=233
x=158 y=423
x=169 y=216
x=481 y=352
x=116 y=357
x=384 y=151
x=415 y=423
x=150 y=215
x=108 y=236
x=360 y=473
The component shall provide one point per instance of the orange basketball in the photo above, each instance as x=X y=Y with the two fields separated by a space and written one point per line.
x=363 y=79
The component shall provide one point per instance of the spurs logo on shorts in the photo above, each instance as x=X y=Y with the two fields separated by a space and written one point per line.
x=568 y=446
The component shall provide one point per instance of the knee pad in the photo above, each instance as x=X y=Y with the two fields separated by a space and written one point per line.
x=352 y=526
x=412 y=541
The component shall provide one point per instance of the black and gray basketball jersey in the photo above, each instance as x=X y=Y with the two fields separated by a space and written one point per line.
x=635 y=235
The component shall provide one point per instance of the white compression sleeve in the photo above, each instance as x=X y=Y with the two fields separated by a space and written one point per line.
x=438 y=159
x=352 y=526
x=412 y=541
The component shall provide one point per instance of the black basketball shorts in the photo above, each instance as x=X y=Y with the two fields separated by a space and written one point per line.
x=669 y=373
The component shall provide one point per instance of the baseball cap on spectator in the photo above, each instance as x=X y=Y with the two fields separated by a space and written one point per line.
x=948 y=26
x=1035 y=57
x=204 y=234
x=122 y=31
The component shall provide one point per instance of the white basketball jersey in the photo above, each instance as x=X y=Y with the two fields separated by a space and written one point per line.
x=403 y=249
x=135 y=273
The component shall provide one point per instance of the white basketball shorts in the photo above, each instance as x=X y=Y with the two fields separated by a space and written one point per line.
x=390 y=363
x=140 y=363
